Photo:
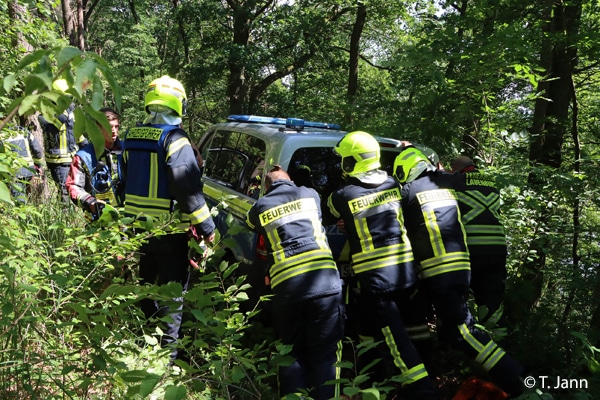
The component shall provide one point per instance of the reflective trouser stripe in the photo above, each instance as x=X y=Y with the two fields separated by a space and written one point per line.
x=488 y=355
x=409 y=375
x=495 y=317
x=419 y=332
x=59 y=159
x=414 y=374
x=338 y=369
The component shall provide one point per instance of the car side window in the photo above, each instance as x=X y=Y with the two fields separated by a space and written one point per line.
x=234 y=159
x=316 y=167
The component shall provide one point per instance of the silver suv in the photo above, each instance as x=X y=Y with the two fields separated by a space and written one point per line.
x=237 y=152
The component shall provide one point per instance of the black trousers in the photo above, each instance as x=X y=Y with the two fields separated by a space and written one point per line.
x=456 y=327
x=315 y=329
x=164 y=259
x=59 y=173
x=381 y=319
x=488 y=280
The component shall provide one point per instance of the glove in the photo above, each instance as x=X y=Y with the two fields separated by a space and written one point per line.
x=94 y=206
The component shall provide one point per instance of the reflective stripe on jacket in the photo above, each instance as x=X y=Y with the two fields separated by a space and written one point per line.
x=433 y=221
x=59 y=142
x=301 y=263
x=380 y=250
x=162 y=177
x=480 y=209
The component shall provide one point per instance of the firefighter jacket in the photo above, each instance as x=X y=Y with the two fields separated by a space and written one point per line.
x=433 y=221
x=92 y=177
x=480 y=208
x=301 y=263
x=380 y=251
x=59 y=142
x=162 y=177
x=29 y=150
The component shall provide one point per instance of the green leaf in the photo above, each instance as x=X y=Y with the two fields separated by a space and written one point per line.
x=370 y=394
x=9 y=82
x=199 y=315
x=135 y=375
x=98 y=93
x=26 y=287
x=66 y=55
x=68 y=368
x=148 y=385
x=81 y=311
x=237 y=373
x=109 y=213
x=38 y=83
x=5 y=193
x=31 y=58
x=117 y=290
x=175 y=392
x=27 y=103
x=7 y=309
x=85 y=74
x=594 y=365
x=95 y=135
x=151 y=340
x=80 y=125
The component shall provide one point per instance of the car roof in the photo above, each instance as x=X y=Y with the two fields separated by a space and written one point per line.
x=292 y=130
x=277 y=128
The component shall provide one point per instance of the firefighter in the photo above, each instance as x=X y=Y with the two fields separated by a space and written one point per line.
x=381 y=258
x=59 y=142
x=307 y=305
x=433 y=223
x=163 y=181
x=480 y=209
x=31 y=153
x=93 y=178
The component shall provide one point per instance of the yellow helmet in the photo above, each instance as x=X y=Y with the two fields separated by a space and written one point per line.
x=411 y=163
x=168 y=92
x=60 y=85
x=359 y=151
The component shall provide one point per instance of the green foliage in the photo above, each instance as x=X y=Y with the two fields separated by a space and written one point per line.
x=86 y=74
x=457 y=79
x=71 y=321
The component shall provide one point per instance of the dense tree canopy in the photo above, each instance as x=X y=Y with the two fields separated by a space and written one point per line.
x=511 y=83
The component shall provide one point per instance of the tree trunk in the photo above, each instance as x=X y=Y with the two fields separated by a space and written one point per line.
x=80 y=26
x=69 y=24
x=16 y=13
x=237 y=81
x=594 y=332
x=359 y=23
x=551 y=121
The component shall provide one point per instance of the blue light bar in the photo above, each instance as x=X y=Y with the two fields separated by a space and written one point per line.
x=291 y=123
x=294 y=123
